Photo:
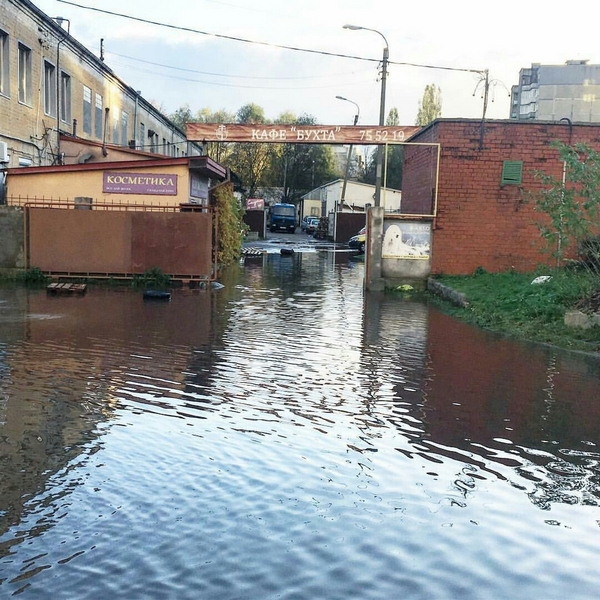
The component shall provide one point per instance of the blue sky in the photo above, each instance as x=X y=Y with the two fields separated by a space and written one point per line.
x=439 y=39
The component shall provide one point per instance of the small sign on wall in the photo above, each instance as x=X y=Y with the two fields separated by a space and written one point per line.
x=156 y=184
x=198 y=189
x=406 y=239
x=255 y=204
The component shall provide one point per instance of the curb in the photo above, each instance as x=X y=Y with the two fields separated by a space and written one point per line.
x=447 y=293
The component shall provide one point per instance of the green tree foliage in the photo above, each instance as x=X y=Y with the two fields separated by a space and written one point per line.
x=393 y=119
x=295 y=167
x=572 y=203
x=431 y=105
x=298 y=168
x=230 y=224
x=251 y=114
x=250 y=161
x=218 y=151
x=182 y=116
x=394 y=159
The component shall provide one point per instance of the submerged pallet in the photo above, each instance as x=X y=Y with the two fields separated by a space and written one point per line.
x=66 y=288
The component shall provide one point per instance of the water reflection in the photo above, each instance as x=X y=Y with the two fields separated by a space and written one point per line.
x=288 y=436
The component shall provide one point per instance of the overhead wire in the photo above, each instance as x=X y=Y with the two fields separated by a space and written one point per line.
x=259 y=43
x=156 y=64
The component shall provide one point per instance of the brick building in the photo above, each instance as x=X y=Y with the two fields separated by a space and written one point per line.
x=480 y=214
x=50 y=83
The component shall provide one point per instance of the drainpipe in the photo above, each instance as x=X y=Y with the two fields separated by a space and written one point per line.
x=60 y=21
x=135 y=118
x=104 y=150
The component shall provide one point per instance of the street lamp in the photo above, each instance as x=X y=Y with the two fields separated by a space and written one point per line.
x=356 y=117
x=384 y=64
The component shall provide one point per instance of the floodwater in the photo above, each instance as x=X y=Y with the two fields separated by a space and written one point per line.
x=289 y=437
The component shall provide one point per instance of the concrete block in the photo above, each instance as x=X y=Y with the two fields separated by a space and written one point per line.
x=576 y=318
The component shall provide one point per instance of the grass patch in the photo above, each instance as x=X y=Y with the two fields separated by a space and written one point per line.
x=152 y=278
x=509 y=303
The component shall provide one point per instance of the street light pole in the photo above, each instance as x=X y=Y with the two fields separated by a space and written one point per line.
x=380 y=149
x=356 y=117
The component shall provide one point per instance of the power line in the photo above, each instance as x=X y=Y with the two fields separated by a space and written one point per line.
x=155 y=64
x=233 y=85
x=268 y=44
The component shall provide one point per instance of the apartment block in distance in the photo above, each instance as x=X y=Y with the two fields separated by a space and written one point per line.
x=50 y=84
x=554 y=92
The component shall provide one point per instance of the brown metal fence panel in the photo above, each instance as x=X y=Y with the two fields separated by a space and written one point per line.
x=92 y=242
x=176 y=243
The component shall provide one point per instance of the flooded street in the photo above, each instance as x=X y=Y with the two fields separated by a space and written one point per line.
x=288 y=437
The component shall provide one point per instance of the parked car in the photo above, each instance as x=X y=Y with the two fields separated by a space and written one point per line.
x=357 y=242
x=309 y=224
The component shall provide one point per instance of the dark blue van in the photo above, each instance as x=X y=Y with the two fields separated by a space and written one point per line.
x=282 y=216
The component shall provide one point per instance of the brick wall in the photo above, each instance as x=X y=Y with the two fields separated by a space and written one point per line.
x=481 y=223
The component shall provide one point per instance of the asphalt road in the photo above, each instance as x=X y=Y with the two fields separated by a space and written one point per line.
x=298 y=240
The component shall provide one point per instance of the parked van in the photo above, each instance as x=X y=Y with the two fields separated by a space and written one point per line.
x=282 y=216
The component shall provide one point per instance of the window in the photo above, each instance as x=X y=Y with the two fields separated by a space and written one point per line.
x=24 y=74
x=65 y=97
x=124 y=128
x=49 y=89
x=98 y=116
x=87 y=110
x=512 y=172
x=115 y=127
x=142 y=135
x=4 y=64
x=153 y=138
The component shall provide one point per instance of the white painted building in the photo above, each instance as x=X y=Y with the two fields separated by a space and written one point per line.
x=358 y=196
x=554 y=92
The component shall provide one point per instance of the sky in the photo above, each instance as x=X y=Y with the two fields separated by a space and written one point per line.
x=295 y=55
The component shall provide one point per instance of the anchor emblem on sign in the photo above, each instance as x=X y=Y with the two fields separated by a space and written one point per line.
x=221 y=132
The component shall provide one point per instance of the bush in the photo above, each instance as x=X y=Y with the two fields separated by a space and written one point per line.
x=589 y=253
x=154 y=278
x=32 y=276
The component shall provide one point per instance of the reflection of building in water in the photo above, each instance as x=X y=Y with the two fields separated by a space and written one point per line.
x=487 y=398
x=66 y=365
x=475 y=406
x=395 y=337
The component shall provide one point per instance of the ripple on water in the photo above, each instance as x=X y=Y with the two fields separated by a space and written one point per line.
x=308 y=449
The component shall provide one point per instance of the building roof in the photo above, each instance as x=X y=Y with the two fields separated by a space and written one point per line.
x=202 y=165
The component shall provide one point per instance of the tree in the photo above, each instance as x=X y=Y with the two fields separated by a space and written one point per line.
x=218 y=151
x=395 y=159
x=295 y=167
x=431 y=105
x=298 y=168
x=393 y=119
x=230 y=224
x=250 y=113
x=572 y=204
x=250 y=160
x=182 y=116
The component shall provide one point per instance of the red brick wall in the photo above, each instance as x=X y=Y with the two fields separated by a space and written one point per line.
x=481 y=223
